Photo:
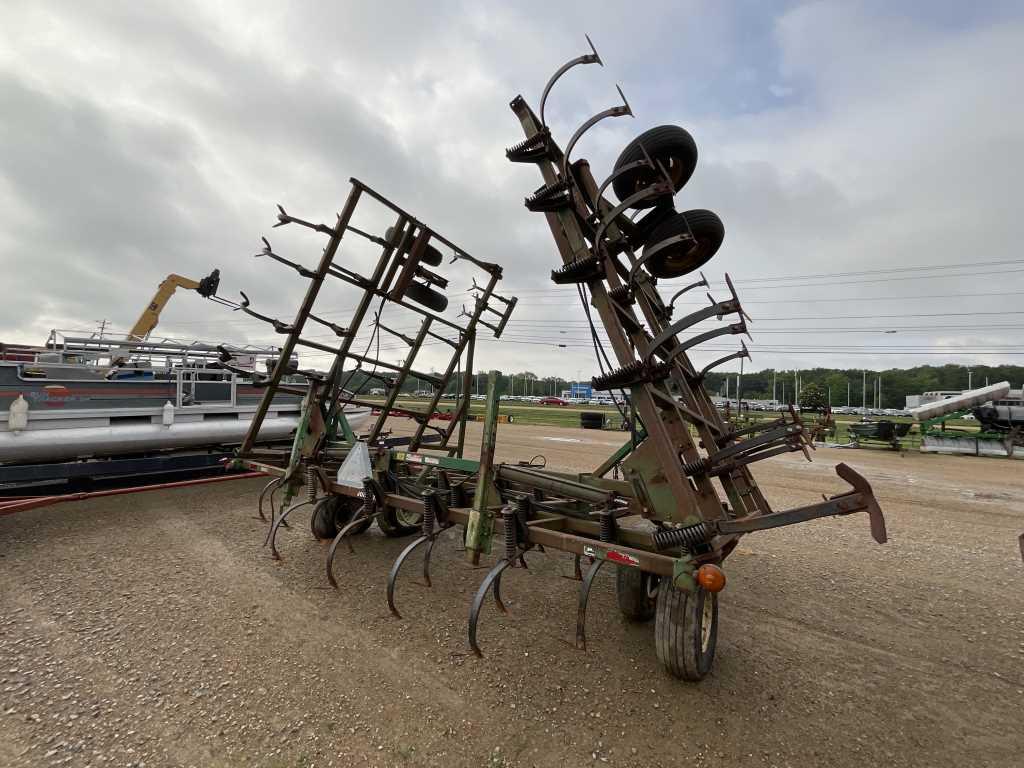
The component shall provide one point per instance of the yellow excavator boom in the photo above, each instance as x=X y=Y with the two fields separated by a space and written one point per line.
x=151 y=314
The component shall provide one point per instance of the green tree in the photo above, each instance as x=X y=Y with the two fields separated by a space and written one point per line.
x=812 y=398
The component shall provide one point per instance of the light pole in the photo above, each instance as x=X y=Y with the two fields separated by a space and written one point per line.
x=969 y=372
x=864 y=394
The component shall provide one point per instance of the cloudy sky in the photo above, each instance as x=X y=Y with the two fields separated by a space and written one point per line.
x=865 y=158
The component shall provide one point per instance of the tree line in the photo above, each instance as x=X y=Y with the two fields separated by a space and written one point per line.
x=896 y=383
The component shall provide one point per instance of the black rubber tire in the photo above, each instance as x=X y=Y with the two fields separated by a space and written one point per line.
x=681 y=258
x=672 y=145
x=333 y=513
x=646 y=224
x=426 y=296
x=634 y=588
x=431 y=256
x=682 y=647
x=322 y=522
x=393 y=527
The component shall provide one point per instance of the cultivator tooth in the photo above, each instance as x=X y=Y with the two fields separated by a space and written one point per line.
x=284 y=218
x=268 y=251
x=551 y=197
x=482 y=305
x=702 y=283
x=631 y=374
x=581 y=606
x=429 y=534
x=717 y=310
x=534 y=149
x=279 y=325
x=622 y=110
x=369 y=511
x=271 y=486
x=742 y=354
x=781 y=439
x=514 y=527
x=587 y=58
x=579 y=271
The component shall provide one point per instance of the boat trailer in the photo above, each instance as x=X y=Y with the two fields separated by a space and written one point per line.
x=666 y=509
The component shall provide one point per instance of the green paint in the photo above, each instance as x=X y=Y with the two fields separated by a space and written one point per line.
x=480 y=528
x=683 y=570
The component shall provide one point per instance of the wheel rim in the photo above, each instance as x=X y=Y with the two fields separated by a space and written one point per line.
x=675 y=170
x=407 y=517
x=651 y=587
x=706 y=618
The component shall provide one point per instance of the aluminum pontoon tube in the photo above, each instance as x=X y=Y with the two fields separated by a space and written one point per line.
x=56 y=444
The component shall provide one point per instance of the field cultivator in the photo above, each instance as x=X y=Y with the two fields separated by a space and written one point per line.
x=666 y=509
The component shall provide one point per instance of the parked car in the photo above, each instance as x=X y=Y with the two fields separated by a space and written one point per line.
x=552 y=401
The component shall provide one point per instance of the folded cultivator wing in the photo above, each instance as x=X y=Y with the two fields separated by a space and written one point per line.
x=666 y=509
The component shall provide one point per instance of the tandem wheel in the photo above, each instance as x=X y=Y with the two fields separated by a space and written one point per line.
x=332 y=513
x=686 y=631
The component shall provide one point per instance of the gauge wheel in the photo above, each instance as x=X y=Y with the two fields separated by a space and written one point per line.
x=686 y=631
x=686 y=255
x=670 y=144
x=333 y=513
x=637 y=593
x=396 y=522
x=427 y=296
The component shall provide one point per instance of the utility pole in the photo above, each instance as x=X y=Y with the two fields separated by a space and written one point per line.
x=773 y=388
x=847 y=393
x=739 y=387
x=969 y=372
x=879 y=390
x=864 y=393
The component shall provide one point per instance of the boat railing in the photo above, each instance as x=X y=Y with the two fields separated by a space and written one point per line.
x=131 y=354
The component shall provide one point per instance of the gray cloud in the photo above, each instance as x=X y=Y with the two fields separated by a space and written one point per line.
x=833 y=138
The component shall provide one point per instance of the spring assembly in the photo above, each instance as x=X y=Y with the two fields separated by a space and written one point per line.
x=311 y=484
x=698 y=467
x=368 y=501
x=509 y=524
x=429 y=512
x=607 y=525
x=690 y=537
x=458 y=495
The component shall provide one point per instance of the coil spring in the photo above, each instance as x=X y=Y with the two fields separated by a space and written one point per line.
x=429 y=512
x=368 y=500
x=311 y=485
x=689 y=538
x=458 y=495
x=698 y=467
x=509 y=524
x=607 y=526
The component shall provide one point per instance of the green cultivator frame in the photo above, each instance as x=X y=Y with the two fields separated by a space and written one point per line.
x=667 y=508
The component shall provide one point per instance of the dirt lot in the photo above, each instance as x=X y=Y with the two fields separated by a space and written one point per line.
x=155 y=630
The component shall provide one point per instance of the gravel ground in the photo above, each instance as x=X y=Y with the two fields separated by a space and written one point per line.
x=154 y=630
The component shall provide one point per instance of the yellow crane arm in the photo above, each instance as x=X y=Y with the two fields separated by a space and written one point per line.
x=151 y=314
